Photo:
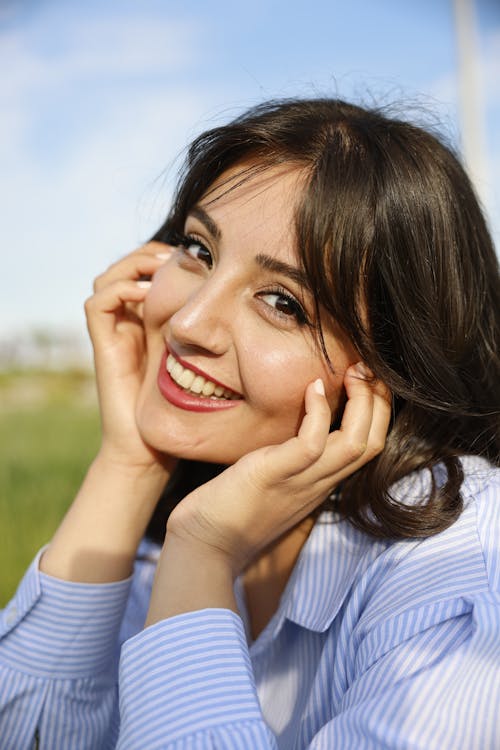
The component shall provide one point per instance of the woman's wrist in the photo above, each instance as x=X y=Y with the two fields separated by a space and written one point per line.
x=149 y=466
x=190 y=576
x=98 y=538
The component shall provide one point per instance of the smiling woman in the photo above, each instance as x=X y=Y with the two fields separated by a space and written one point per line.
x=291 y=528
x=228 y=306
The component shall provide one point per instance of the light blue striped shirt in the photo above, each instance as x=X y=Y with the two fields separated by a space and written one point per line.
x=375 y=645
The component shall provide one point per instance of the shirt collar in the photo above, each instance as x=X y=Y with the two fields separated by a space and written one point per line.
x=332 y=558
x=336 y=554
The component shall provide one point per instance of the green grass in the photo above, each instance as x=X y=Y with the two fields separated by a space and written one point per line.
x=47 y=439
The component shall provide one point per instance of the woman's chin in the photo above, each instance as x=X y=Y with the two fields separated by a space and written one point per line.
x=186 y=446
x=220 y=438
x=191 y=453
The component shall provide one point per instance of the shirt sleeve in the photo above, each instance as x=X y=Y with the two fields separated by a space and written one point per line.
x=59 y=662
x=187 y=682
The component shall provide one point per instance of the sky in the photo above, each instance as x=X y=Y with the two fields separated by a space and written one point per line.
x=99 y=100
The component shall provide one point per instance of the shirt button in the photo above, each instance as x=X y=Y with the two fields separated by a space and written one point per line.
x=11 y=615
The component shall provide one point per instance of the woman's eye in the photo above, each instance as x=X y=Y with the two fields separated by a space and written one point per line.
x=285 y=306
x=198 y=251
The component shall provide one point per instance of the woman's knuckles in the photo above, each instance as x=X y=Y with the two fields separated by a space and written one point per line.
x=375 y=447
x=353 y=450
x=90 y=307
x=312 y=450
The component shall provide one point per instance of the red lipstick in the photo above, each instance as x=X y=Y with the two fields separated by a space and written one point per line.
x=177 y=396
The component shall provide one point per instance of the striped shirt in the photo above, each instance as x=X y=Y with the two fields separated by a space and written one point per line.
x=375 y=645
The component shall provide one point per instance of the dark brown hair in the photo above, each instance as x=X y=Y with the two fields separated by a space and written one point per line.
x=394 y=243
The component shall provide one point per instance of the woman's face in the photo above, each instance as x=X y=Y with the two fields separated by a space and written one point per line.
x=230 y=309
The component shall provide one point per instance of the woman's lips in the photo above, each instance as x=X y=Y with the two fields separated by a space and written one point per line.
x=197 y=371
x=183 y=399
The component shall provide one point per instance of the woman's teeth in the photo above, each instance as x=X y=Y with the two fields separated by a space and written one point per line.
x=194 y=383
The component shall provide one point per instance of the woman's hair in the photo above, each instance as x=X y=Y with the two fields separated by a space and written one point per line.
x=394 y=243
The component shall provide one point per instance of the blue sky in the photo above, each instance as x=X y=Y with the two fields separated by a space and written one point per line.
x=98 y=98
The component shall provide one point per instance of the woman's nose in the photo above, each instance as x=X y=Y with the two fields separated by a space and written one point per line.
x=204 y=320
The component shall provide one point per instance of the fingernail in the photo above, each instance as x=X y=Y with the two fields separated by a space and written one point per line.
x=319 y=387
x=143 y=284
x=164 y=256
x=363 y=370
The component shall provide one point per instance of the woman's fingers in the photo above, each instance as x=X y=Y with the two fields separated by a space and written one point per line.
x=352 y=436
x=132 y=267
x=154 y=247
x=314 y=455
x=140 y=263
x=364 y=426
x=104 y=308
x=313 y=433
x=382 y=412
x=117 y=289
x=298 y=453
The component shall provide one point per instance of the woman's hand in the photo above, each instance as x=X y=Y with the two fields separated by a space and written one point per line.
x=268 y=491
x=98 y=538
x=114 y=319
x=218 y=529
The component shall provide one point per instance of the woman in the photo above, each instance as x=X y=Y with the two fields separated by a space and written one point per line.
x=305 y=356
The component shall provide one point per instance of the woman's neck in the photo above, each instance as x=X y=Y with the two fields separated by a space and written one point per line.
x=264 y=580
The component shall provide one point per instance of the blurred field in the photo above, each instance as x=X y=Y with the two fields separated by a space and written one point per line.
x=49 y=431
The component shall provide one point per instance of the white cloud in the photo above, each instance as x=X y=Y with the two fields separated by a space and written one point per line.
x=38 y=68
x=63 y=230
x=64 y=219
x=133 y=46
x=103 y=47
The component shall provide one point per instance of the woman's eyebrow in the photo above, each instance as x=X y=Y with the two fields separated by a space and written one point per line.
x=269 y=263
x=197 y=212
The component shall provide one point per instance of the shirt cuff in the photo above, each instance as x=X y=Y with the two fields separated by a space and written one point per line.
x=63 y=629
x=186 y=674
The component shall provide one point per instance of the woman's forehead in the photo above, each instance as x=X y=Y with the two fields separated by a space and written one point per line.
x=248 y=180
x=252 y=212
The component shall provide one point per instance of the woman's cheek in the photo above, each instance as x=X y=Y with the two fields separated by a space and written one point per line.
x=277 y=377
x=164 y=297
x=152 y=306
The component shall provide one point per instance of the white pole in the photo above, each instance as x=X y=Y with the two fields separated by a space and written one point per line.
x=470 y=96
